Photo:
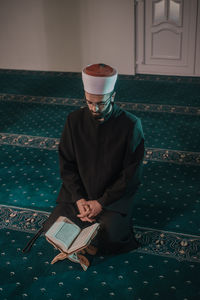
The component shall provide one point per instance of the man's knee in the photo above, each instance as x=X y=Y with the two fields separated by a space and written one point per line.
x=114 y=226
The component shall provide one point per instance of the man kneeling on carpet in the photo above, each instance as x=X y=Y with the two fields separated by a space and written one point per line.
x=100 y=153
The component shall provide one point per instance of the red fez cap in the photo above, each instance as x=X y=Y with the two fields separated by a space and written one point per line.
x=99 y=70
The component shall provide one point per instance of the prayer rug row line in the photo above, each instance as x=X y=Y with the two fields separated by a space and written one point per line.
x=151 y=154
x=186 y=79
x=162 y=108
x=182 y=247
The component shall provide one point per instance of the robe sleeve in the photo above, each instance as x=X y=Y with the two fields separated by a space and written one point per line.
x=130 y=177
x=68 y=166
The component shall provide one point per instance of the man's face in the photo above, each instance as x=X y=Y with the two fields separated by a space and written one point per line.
x=99 y=105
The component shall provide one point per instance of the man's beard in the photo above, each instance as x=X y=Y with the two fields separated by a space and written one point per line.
x=103 y=114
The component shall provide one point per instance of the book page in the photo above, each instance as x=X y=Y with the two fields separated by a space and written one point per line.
x=66 y=234
x=83 y=237
x=63 y=232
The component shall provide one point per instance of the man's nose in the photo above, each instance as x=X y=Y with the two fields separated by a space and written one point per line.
x=96 y=108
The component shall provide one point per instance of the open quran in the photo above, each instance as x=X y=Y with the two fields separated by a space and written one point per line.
x=68 y=237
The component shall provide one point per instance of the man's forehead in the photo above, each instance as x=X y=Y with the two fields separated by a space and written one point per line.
x=96 y=98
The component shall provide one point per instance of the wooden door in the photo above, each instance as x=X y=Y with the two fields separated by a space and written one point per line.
x=166 y=37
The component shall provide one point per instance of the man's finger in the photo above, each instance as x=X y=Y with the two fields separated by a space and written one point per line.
x=91 y=215
x=83 y=209
x=83 y=214
x=83 y=219
x=86 y=208
x=87 y=220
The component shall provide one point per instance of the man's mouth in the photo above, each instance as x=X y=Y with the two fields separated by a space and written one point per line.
x=97 y=115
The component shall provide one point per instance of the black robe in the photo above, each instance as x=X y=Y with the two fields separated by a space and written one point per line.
x=101 y=160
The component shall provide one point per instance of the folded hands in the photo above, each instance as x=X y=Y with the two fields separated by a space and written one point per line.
x=88 y=210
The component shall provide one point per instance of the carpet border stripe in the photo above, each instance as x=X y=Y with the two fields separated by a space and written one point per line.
x=151 y=154
x=182 y=247
x=76 y=102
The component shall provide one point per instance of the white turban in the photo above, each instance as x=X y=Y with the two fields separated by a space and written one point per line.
x=99 y=79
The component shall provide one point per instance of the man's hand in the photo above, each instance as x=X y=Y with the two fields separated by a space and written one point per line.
x=95 y=208
x=84 y=210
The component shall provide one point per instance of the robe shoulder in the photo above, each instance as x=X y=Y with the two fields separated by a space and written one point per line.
x=76 y=114
x=131 y=117
x=135 y=124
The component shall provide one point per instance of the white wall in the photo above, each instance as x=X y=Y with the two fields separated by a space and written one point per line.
x=107 y=33
x=66 y=35
x=40 y=35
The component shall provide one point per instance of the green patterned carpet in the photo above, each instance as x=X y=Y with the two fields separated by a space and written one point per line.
x=34 y=106
x=129 y=276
